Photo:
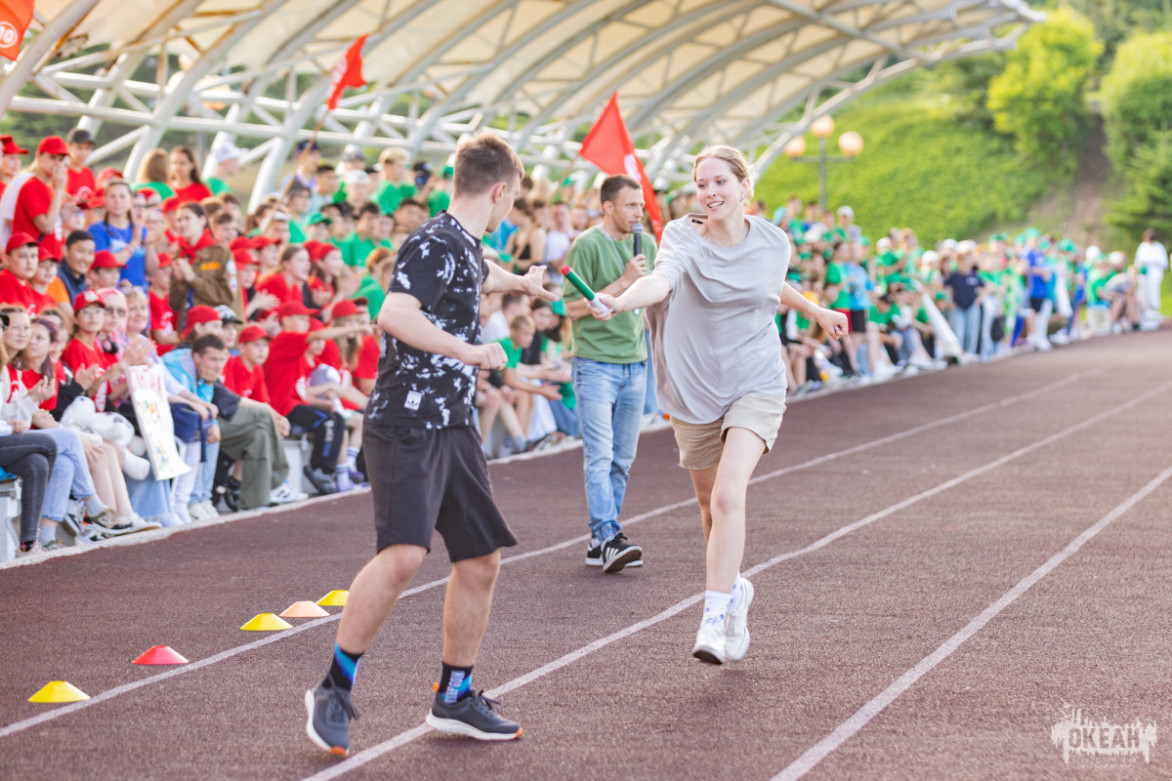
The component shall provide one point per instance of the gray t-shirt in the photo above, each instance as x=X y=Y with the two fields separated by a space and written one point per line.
x=714 y=337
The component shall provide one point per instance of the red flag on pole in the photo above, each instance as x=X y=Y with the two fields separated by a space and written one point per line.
x=608 y=145
x=347 y=73
x=15 y=16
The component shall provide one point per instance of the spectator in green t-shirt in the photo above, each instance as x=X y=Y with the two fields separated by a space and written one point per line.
x=524 y=380
x=227 y=156
x=374 y=283
x=394 y=182
x=441 y=197
x=370 y=230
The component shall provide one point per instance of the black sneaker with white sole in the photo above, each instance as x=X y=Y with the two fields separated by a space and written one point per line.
x=474 y=716
x=618 y=553
x=594 y=557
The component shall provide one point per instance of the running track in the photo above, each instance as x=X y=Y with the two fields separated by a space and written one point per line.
x=942 y=564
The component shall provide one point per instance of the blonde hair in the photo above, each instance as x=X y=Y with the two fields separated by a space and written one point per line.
x=736 y=162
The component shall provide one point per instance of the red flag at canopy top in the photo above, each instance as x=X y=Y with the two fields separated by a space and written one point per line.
x=347 y=73
x=15 y=16
x=608 y=145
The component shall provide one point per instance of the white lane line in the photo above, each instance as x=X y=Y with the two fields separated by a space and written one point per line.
x=65 y=710
x=378 y=750
x=863 y=716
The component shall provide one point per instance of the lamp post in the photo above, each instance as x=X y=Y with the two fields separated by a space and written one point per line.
x=850 y=143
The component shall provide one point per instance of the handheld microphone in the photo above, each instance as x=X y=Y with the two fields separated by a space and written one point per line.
x=637 y=229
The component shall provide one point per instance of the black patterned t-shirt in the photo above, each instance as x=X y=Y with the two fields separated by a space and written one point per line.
x=442 y=266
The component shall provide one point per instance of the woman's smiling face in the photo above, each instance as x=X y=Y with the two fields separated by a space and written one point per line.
x=719 y=190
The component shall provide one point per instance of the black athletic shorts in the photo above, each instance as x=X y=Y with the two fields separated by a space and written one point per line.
x=1036 y=304
x=858 y=320
x=425 y=480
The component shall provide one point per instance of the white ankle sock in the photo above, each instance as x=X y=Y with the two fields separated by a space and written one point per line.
x=716 y=604
x=738 y=593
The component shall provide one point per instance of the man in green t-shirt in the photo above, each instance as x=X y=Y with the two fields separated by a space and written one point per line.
x=394 y=182
x=370 y=231
x=610 y=366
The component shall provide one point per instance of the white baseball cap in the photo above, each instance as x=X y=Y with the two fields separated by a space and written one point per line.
x=225 y=151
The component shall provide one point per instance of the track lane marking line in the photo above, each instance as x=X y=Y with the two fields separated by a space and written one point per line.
x=865 y=714
x=228 y=653
x=374 y=752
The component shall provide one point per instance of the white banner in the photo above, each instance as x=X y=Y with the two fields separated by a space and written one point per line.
x=148 y=390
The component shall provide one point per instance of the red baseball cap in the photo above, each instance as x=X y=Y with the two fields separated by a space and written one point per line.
x=104 y=258
x=344 y=308
x=322 y=249
x=264 y=241
x=87 y=298
x=171 y=204
x=11 y=147
x=52 y=145
x=200 y=314
x=164 y=260
x=44 y=253
x=251 y=333
x=244 y=258
x=241 y=242
x=110 y=173
x=19 y=240
x=293 y=308
x=315 y=325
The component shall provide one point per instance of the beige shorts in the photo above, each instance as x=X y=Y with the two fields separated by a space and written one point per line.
x=701 y=444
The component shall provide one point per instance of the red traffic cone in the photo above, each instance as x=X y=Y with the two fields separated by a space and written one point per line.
x=160 y=654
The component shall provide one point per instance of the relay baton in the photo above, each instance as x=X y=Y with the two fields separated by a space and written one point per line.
x=584 y=289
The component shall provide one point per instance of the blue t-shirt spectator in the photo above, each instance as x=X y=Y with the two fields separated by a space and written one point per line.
x=1037 y=266
x=106 y=236
x=858 y=286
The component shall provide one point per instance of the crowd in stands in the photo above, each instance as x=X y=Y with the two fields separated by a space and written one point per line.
x=261 y=322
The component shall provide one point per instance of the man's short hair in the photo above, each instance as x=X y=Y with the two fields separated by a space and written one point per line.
x=325 y=168
x=207 y=342
x=77 y=236
x=410 y=202
x=371 y=208
x=613 y=185
x=484 y=161
x=521 y=321
x=509 y=299
x=392 y=153
x=224 y=218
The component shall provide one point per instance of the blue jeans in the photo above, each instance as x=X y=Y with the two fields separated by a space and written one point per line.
x=610 y=407
x=71 y=473
x=966 y=323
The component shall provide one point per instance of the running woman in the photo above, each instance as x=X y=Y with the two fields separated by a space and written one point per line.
x=718 y=282
x=423 y=451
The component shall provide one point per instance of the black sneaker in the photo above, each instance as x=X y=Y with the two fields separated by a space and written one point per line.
x=618 y=553
x=594 y=557
x=328 y=725
x=474 y=716
x=322 y=481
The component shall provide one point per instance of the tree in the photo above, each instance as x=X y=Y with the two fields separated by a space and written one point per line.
x=1137 y=96
x=1040 y=97
x=1148 y=203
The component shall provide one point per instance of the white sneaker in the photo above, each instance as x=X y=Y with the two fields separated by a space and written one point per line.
x=710 y=643
x=286 y=494
x=736 y=625
x=202 y=511
x=140 y=524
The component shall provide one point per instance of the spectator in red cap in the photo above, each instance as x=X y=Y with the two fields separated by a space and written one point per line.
x=80 y=182
x=330 y=280
x=268 y=254
x=162 y=316
x=287 y=370
x=201 y=320
x=244 y=373
x=353 y=358
x=76 y=263
x=288 y=283
x=105 y=270
x=38 y=205
x=10 y=162
x=246 y=275
x=203 y=272
x=19 y=269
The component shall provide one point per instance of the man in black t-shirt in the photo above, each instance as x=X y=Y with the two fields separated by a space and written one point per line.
x=423 y=453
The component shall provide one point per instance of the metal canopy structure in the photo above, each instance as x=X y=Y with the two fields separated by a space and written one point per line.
x=257 y=72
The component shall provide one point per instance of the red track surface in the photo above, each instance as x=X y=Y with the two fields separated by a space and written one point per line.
x=953 y=516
